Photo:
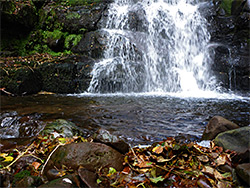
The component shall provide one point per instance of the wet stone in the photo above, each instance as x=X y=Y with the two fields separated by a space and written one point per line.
x=89 y=155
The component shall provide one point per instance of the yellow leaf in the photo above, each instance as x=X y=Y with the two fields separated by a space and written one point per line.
x=3 y=154
x=62 y=140
x=8 y=159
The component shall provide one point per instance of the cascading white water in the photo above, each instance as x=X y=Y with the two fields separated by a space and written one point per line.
x=154 y=46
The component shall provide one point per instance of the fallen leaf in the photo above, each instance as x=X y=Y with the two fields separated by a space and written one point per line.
x=161 y=159
x=157 y=179
x=158 y=149
x=144 y=164
x=8 y=159
x=3 y=154
x=214 y=155
x=203 y=158
x=221 y=160
x=36 y=165
x=126 y=170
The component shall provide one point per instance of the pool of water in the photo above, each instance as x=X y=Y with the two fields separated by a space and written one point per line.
x=139 y=119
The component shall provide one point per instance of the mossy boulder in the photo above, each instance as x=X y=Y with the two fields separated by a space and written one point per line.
x=62 y=128
x=237 y=139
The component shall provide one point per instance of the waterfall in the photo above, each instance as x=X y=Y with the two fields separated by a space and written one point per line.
x=154 y=46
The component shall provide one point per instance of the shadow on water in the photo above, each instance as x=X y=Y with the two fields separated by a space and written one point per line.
x=138 y=119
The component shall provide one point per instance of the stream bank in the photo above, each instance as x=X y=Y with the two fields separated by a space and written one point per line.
x=94 y=162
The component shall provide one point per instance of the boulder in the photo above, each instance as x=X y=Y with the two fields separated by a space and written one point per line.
x=104 y=136
x=21 y=81
x=217 y=125
x=242 y=157
x=89 y=155
x=62 y=128
x=237 y=140
x=243 y=171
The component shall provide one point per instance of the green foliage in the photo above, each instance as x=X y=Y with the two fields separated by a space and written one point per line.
x=226 y=5
x=77 y=2
x=72 y=40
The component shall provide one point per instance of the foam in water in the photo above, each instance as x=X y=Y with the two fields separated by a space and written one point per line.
x=154 y=46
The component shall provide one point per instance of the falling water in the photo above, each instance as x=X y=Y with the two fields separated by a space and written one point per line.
x=154 y=46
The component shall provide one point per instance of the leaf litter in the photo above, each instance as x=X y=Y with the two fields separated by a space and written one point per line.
x=163 y=164
x=170 y=164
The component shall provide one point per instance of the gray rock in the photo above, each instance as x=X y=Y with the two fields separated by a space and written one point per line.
x=89 y=155
x=217 y=125
x=113 y=141
x=88 y=177
x=237 y=140
x=243 y=171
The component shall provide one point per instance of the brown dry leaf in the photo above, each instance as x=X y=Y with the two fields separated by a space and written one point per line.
x=126 y=170
x=145 y=164
x=221 y=160
x=214 y=155
x=208 y=169
x=222 y=184
x=36 y=165
x=203 y=158
x=218 y=175
x=161 y=159
x=157 y=149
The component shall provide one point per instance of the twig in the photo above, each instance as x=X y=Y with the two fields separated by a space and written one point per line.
x=139 y=160
x=18 y=157
x=3 y=90
x=50 y=157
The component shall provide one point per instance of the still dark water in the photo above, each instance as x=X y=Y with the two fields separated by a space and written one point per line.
x=139 y=119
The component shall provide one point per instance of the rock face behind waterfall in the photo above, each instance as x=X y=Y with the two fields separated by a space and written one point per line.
x=229 y=28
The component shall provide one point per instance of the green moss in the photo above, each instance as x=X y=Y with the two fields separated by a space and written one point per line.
x=52 y=35
x=72 y=40
x=14 y=44
x=22 y=174
x=8 y=7
x=73 y=15
x=226 y=5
